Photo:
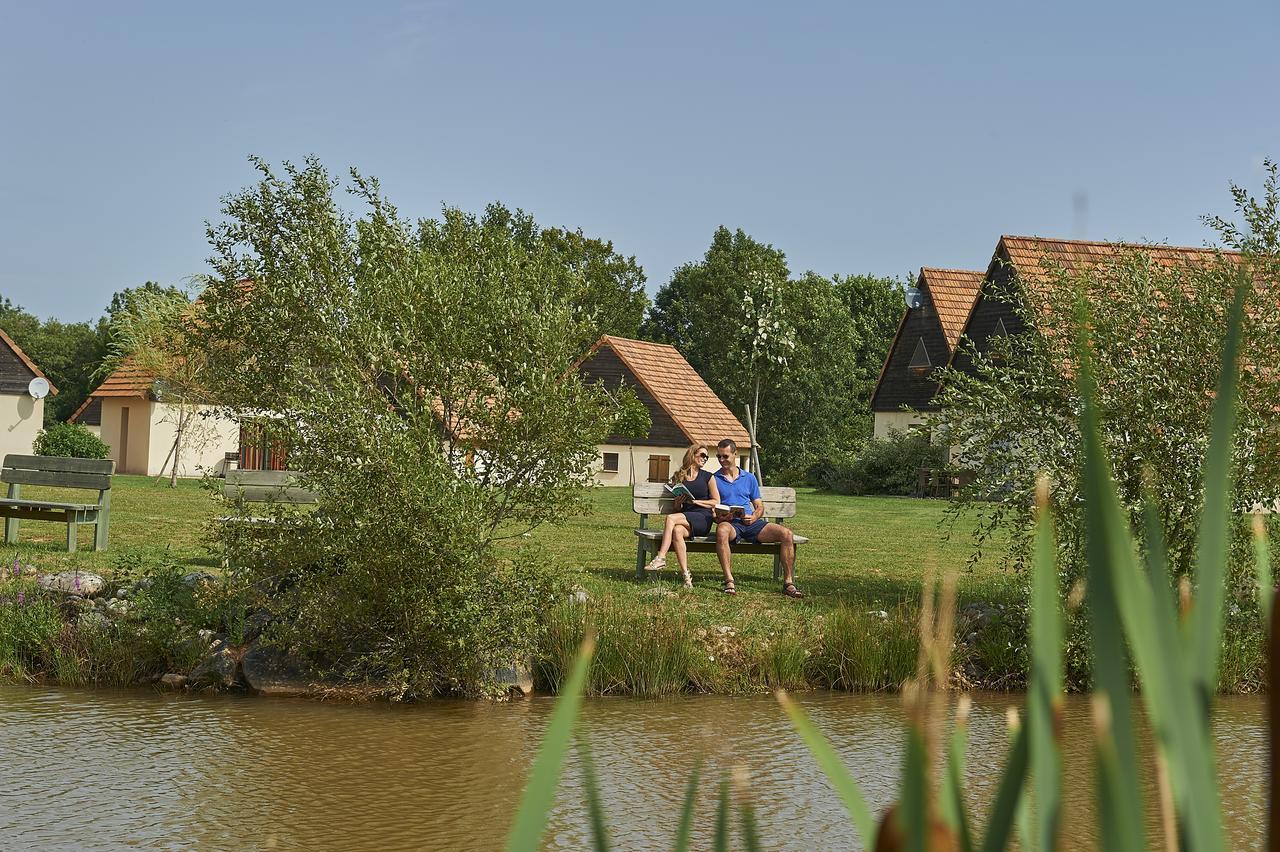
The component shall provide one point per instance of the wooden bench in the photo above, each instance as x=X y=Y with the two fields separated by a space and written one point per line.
x=647 y=499
x=277 y=487
x=57 y=472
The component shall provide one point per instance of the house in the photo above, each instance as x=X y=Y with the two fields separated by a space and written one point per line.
x=683 y=411
x=140 y=427
x=21 y=410
x=927 y=337
x=89 y=415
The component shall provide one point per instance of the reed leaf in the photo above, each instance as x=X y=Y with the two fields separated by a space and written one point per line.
x=829 y=761
x=912 y=812
x=1262 y=569
x=951 y=798
x=1044 y=701
x=591 y=787
x=1212 y=545
x=540 y=790
x=720 y=842
x=686 y=813
x=1008 y=793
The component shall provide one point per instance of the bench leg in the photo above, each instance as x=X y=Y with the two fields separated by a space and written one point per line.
x=10 y=530
x=73 y=530
x=640 y=560
x=100 y=529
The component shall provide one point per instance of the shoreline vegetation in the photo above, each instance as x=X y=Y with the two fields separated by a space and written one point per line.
x=167 y=608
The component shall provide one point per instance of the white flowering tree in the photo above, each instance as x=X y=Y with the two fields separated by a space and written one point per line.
x=767 y=335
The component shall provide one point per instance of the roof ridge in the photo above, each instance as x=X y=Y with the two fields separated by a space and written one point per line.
x=1126 y=244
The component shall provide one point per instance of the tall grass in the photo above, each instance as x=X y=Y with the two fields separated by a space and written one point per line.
x=1134 y=620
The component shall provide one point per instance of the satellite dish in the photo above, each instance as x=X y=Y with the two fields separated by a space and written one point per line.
x=38 y=388
x=915 y=297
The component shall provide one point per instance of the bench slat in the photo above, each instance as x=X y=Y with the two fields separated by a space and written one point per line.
x=262 y=477
x=59 y=463
x=656 y=535
x=56 y=479
x=21 y=503
x=654 y=506
x=269 y=494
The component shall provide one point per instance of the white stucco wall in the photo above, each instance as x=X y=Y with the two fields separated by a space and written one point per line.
x=205 y=442
x=895 y=421
x=21 y=418
x=623 y=474
x=139 y=432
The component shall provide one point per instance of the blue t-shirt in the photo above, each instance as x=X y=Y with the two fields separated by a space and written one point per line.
x=739 y=492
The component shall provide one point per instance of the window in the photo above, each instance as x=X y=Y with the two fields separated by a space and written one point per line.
x=996 y=348
x=919 y=366
x=659 y=468
x=610 y=463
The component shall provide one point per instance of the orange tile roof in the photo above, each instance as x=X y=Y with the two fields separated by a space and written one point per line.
x=1027 y=254
x=126 y=380
x=678 y=388
x=953 y=292
x=22 y=356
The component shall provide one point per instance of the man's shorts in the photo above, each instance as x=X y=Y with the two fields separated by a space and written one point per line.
x=747 y=532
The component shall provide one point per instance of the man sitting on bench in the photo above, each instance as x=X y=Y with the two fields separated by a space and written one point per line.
x=740 y=488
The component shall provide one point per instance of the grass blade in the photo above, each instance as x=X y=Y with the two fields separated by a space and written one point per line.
x=595 y=808
x=826 y=757
x=1262 y=568
x=951 y=803
x=746 y=811
x=540 y=790
x=1044 y=701
x=1008 y=794
x=686 y=814
x=720 y=842
x=1212 y=546
x=912 y=813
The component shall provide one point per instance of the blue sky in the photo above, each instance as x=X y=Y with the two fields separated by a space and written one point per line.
x=856 y=137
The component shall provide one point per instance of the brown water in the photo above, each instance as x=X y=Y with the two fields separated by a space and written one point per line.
x=99 y=769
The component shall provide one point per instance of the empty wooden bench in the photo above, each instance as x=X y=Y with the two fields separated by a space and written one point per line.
x=647 y=499
x=279 y=487
x=56 y=472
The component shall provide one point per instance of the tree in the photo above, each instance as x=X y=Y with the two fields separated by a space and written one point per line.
x=875 y=306
x=607 y=287
x=1156 y=328
x=422 y=377
x=68 y=353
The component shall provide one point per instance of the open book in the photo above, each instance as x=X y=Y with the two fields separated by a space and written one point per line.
x=725 y=513
x=677 y=491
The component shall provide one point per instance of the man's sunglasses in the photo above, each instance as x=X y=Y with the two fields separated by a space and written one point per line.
x=723 y=457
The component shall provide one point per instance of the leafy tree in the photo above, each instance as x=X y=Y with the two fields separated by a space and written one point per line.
x=68 y=353
x=875 y=306
x=126 y=301
x=421 y=375
x=1157 y=330
x=605 y=286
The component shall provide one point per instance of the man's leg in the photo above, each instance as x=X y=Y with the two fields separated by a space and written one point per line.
x=787 y=549
x=725 y=534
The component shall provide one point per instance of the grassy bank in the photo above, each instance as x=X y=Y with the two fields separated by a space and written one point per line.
x=856 y=628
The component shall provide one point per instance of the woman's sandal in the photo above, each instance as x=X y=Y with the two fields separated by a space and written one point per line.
x=790 y=590
x=657 y=563
x=726 y=586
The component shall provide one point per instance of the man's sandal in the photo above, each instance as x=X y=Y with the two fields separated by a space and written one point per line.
x=790 y=590
x=726 y=586
x=657 y=563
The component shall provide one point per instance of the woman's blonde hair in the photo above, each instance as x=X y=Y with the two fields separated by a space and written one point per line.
x=689 y=467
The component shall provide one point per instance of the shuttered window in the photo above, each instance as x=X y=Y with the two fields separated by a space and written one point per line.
x=659 y=468
x=610 y=464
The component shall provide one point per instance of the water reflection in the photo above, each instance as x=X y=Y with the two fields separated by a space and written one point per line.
x=100 y=769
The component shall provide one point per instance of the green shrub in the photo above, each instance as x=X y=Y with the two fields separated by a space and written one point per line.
x=881 y=466
x=70 y=440
x=863 y=651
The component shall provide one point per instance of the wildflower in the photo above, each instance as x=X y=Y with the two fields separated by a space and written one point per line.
x=22 y=599
x=17 y=569
x=76 y=581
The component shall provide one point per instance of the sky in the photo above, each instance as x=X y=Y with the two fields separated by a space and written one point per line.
x=855 y=137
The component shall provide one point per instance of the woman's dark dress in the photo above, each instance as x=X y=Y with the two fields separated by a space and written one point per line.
x=699 y=517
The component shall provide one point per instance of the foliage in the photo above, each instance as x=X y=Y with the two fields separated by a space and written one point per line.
x=816 y=345
x=422 y=377
x=71 y=440
x=67 y=353
x=604 y=287
x=881 y=465
x=1157 y=332
x=1132 y=610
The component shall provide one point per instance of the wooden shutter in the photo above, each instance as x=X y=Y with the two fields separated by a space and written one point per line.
x=659 y=468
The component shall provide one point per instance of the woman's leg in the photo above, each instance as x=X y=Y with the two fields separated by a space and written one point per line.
x=682 y=554
x=673 y=521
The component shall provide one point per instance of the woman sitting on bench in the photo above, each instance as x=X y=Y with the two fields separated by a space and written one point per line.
x=693 y=516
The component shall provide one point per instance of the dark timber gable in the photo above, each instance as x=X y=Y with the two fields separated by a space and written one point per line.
x=606 y=367
x=993 y=309
x=15 y=375
x=899 y=385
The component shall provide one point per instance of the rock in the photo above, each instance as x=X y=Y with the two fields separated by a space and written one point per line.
x=516 y=677
x=92 y=619
x=173 y=681
x=116 y=606
x=199 y=578
x=271 y=671
x=72 y=583
x=220 y=668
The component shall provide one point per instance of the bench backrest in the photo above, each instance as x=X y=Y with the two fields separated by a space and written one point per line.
x=647 y=499
x=266 y=486
x=58 y=472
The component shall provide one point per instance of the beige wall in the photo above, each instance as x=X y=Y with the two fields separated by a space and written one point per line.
x=895 y=421
x=623 y=474
x=21 y=417
x=139 y=432
x=205 y=441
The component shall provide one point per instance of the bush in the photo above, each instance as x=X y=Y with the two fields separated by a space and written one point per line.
x=882 y=466
x=69 y=440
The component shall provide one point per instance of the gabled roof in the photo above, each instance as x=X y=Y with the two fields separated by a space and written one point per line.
x=127 y=380
x=89 y=413
x=953 y=292
x=27 y=362
x=1027 y=253
x=678 y=388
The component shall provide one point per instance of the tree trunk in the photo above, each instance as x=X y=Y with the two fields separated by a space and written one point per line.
x=177 y=445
